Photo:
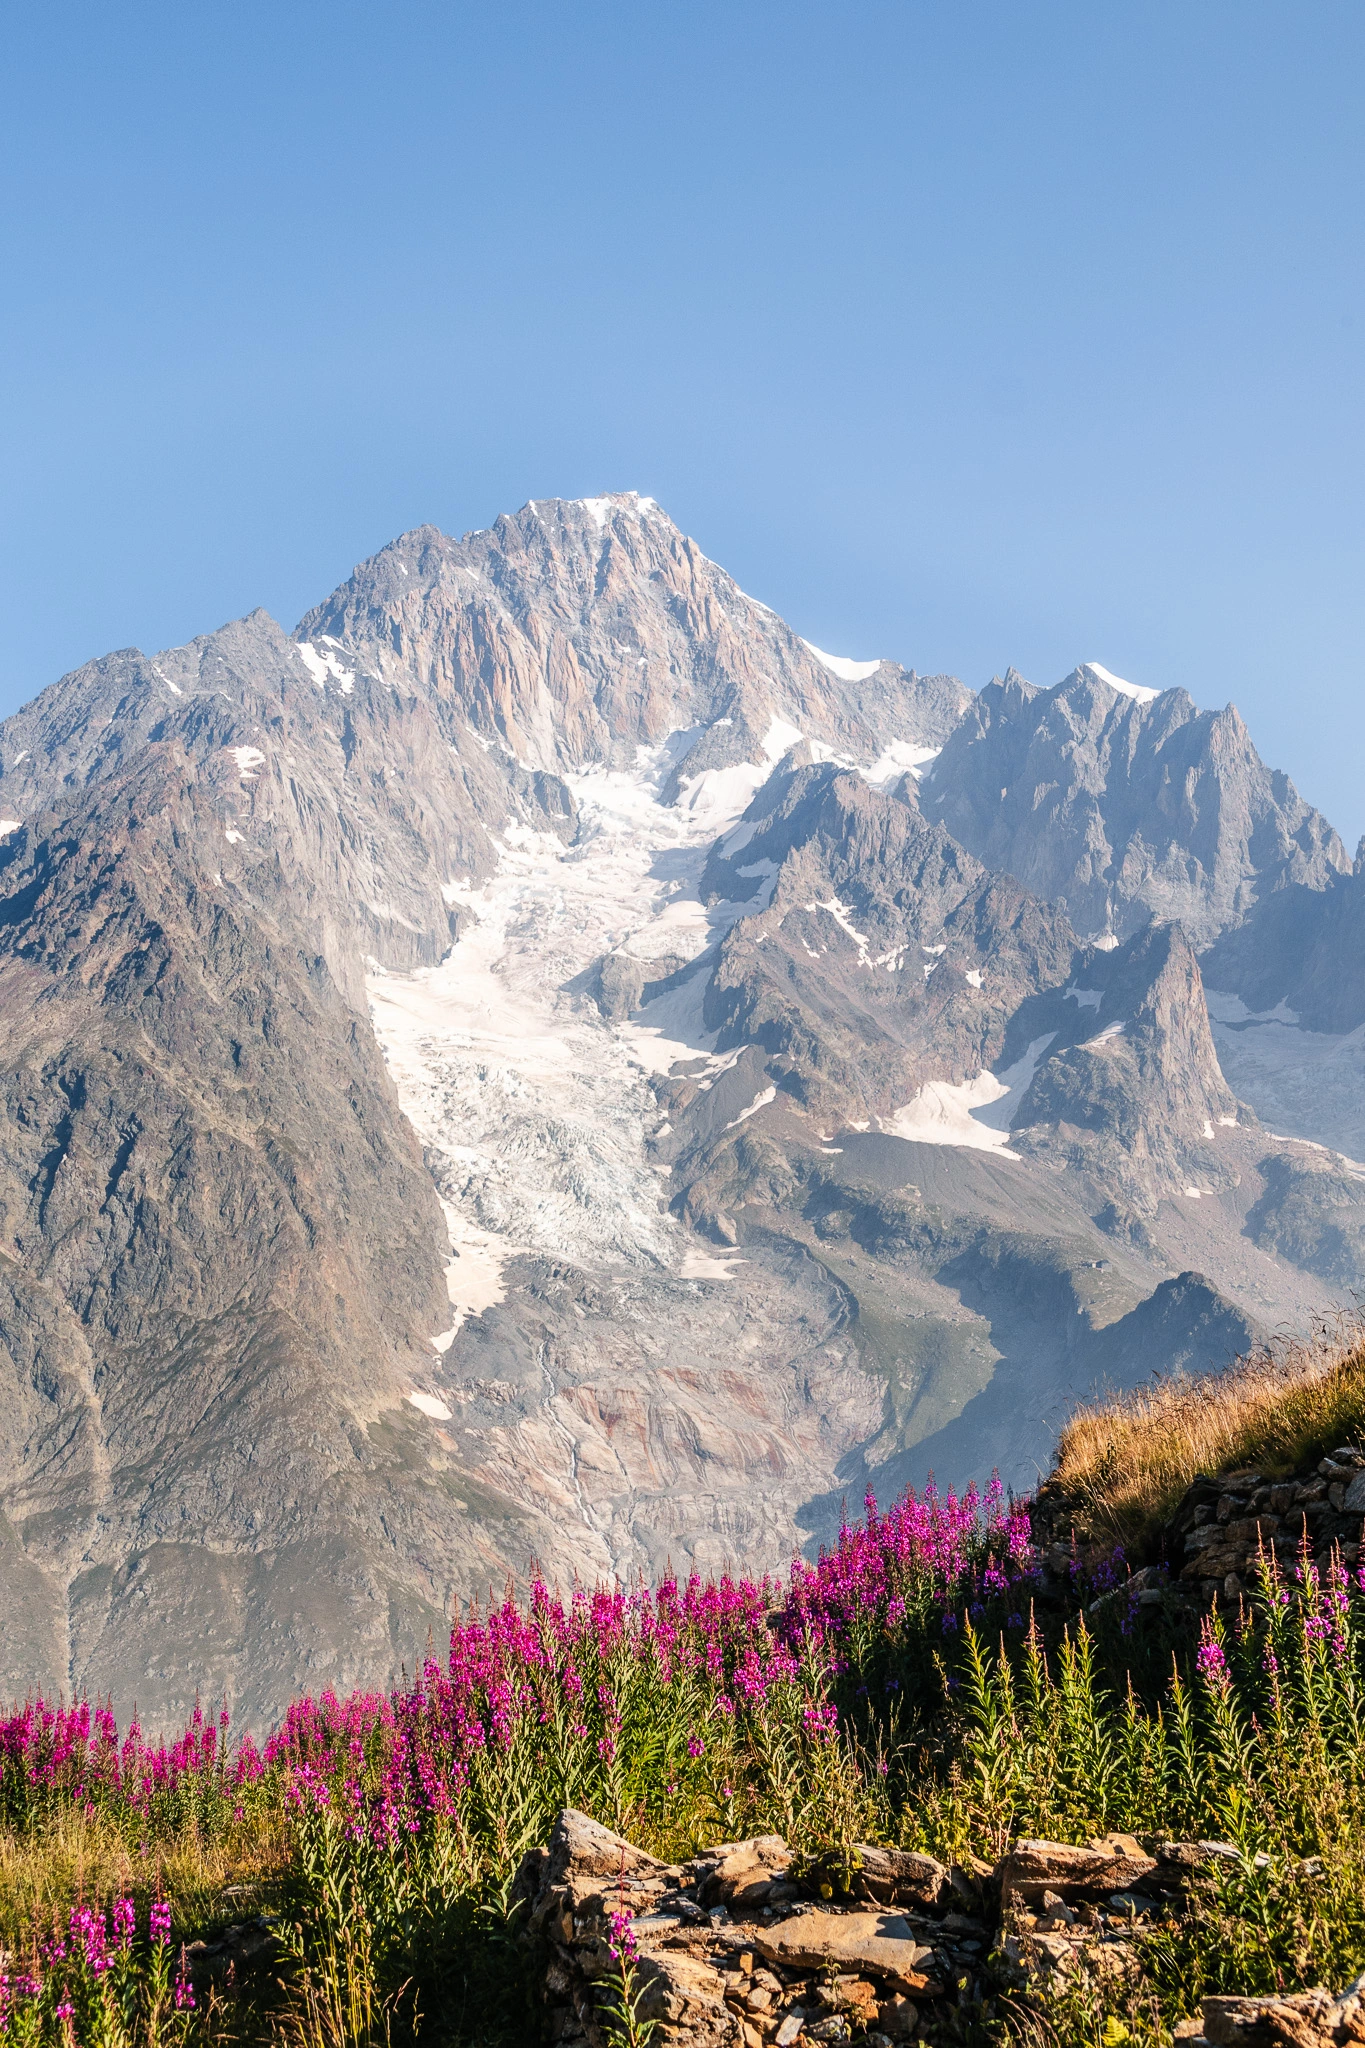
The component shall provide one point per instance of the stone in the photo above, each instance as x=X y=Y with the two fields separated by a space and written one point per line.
x=878 y=1942
x=1106 y=1864
x=898 y=2018
x=1292 y=2020
x=897 y=1875
x=743 y=1872
x=1353 y=1500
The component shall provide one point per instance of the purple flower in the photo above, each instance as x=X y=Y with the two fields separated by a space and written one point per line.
x=622 y=1943
x=1213 y=1665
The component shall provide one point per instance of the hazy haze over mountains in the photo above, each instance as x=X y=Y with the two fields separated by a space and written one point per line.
x=543 y=1062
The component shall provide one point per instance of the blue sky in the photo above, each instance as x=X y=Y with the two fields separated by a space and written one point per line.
x=964 y=333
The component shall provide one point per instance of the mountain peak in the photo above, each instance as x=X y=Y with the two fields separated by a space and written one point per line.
x=1095 y=672
x=576 y=630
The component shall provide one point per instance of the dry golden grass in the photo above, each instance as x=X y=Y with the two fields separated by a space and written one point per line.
x=1125 y=1462
x=75 y=1859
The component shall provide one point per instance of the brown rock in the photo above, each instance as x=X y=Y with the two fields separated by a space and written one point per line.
x=898 y=2017
x=1108 y=1863
x=742 y=1873
x=896 y=1875
x=1290 y=2020
x=878 y=1943
x=688 y=1996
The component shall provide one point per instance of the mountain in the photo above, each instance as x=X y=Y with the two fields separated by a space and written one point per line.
x=1126 y=805
x=542 y=1064
x=575 y=632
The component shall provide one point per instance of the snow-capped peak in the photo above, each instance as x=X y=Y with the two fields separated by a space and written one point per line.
x=840 y=665
x=622 y=501
x=1138 y=691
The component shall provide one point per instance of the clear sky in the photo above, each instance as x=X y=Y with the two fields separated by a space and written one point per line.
x=970 y=333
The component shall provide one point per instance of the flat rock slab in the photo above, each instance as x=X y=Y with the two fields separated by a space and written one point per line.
x=1110 y=1863
x=881 y=1942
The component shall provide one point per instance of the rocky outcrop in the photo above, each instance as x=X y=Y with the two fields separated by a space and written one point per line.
x=1225 y=1525
x=731 y=1947
x=1137 y=1092
x=1114 y=1863
x=736 y=1949
x=1287 y=2019
x=1124 y=810
x=1302 y=948
x=886 y=957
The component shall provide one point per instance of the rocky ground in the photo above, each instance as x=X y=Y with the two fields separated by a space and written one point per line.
x=737 y=1949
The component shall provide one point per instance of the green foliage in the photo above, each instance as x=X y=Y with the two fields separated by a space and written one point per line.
x=950 y=1728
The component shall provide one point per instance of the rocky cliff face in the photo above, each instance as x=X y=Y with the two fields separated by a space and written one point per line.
x=574 y=632
x=523 y=1068
x=1126 y=807
x=1302 y=949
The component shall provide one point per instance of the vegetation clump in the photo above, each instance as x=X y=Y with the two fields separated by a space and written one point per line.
x=923 y=1685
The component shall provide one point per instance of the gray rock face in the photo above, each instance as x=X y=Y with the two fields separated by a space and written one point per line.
x=1303 y=948
x=574 y=631
x=1125 y=810
x=1139 y=1078
x=439 y=1133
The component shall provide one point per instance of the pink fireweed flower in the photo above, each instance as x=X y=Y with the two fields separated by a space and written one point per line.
x=89 y=1927
x=1211 y=1662
x=622 y=1943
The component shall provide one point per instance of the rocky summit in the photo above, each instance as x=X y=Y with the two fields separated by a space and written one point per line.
x=542 y=1065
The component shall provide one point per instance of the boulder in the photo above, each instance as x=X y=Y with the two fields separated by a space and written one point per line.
x=1107 y=1863
x=1293 y=2019
x=881 y=1943
x=899 y=1876
x=744 y=1873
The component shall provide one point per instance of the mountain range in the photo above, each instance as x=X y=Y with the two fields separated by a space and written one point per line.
x=543 y=1068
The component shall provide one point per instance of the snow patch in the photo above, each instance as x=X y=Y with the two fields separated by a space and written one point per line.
x=1138 y=691
x=1229 y=1009
x=710 y=1266
x=941 y=1114
x=430 y=1404
x=248 y=760
x=841 y=913
x=900 y=758
x=840 y=665
x=977 y=1114
x=232 y=838
x=1084 y=998
x=320 y=666
x=760 y=1101
x=1110 y=1032
x=8 y=825
x=779 y=739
